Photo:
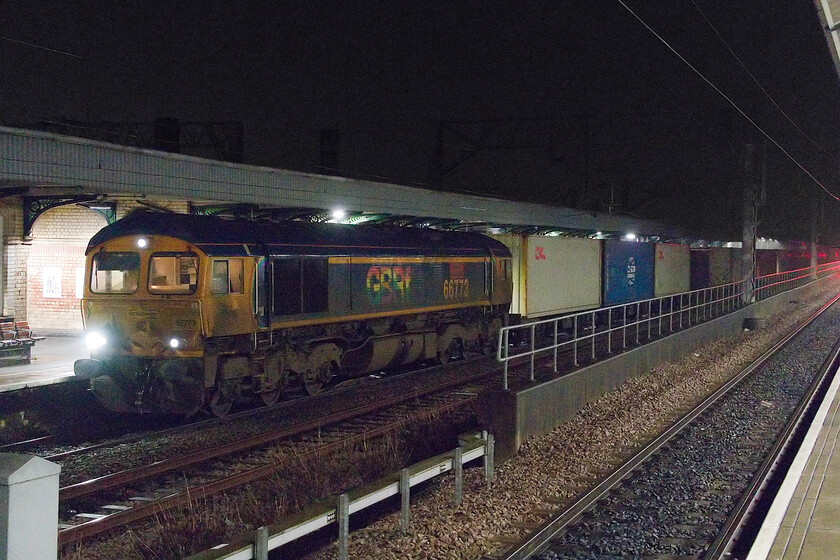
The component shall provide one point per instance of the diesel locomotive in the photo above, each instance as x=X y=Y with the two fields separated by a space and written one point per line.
x=191 y=311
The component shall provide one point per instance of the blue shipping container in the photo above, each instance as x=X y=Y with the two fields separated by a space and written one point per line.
x=628 y=271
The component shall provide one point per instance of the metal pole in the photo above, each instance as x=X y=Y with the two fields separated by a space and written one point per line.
x=505 y=375
x=671 y=314
x=533 y=348
x=405 y=496
x=343 y=525
x=638 y=321
x=489 y=452
x=575 y=340
x=458 y=467
x=555 y=345
x=593 y=335
x=609 y=331
x=624 y=329
x=660 y=316
x=261 y=544
x=681 y=312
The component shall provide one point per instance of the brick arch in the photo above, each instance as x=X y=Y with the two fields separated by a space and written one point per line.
x=55 y=265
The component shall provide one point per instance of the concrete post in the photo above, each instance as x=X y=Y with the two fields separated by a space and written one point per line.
x=261 y=544
x=458 y=467
x=405 y=499
x=343 y=525
x=28 y=507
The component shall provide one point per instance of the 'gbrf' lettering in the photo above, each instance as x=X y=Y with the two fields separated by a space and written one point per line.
x=388 y=285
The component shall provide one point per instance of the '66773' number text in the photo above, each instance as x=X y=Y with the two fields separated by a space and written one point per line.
x=458 y=288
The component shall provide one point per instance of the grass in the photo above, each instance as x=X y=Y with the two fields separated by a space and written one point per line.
x=298 y=482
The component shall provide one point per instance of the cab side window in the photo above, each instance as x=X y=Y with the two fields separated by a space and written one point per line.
x=227 y=277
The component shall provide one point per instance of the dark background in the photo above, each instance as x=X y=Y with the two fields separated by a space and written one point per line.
x=572 y=103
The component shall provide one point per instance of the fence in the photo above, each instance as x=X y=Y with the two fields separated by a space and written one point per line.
x=257 y=545
x=638 y=319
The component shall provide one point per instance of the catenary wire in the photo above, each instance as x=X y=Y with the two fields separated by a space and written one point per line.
x=754 y=79
x=727 y=98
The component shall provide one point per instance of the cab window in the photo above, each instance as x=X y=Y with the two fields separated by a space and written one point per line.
x=114 y=273
x=227 y=277
x=173 y=273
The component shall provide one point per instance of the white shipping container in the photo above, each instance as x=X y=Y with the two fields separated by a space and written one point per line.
x=561 y=274
x=724 y=265
x=672 y=269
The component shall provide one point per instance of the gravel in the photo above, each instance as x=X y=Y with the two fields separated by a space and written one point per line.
x=553 y=468
x=699 y=476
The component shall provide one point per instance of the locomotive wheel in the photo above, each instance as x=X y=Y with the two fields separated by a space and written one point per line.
x=314 y=380
x=455 y=351
x=268 y=398
x=220 y=403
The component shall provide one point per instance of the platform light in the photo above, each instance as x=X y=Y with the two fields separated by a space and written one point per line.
x=338 y=214
x=630 y=236
x=142 y=242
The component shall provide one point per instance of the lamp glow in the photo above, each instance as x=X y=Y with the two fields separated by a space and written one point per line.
x=95 y=340
x=174 y=343
x=630 y=237
x=142 y=242
x=338 y=214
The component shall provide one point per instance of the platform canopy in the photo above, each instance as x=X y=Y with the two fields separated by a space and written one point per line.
x=34 y=164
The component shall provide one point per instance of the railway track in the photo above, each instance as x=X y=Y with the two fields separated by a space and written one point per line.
x=102 y=504
x=691 y=491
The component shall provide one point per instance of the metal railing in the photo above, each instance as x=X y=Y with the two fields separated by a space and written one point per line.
x=638 y=319
x=257 y=544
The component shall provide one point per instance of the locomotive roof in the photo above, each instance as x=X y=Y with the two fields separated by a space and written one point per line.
x=221 y=236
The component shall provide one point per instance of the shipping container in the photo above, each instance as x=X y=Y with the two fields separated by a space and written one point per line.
x=766 y=262
x=628 y=272
x=556 y=275
x=700 y=269
x=827 y=254
x=672 y=269
x=724 y=265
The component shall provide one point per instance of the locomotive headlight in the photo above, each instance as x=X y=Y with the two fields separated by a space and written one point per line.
x=95 y=340
x=176 y=343
x=142 y=242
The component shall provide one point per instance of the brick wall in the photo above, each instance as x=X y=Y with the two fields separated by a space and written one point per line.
x=55 y=267
x=54 y=254
x=14 y=255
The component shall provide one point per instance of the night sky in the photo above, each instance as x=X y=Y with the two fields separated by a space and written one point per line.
x=572 y=103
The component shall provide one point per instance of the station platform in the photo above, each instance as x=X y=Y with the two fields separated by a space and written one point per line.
x=804 y=520
x=51 y=363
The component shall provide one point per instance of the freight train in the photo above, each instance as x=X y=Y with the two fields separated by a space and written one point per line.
x=188 y=311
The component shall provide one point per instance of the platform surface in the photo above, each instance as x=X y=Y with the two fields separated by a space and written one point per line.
x=804 y=521
x=52 y=362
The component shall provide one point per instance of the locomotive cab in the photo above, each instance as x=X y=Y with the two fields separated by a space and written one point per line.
x=149 y=301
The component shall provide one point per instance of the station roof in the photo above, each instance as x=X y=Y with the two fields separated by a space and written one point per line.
x=46 y=164
x=829 y=14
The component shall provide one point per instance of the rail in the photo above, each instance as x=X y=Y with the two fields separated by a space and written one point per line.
x=580 y=331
